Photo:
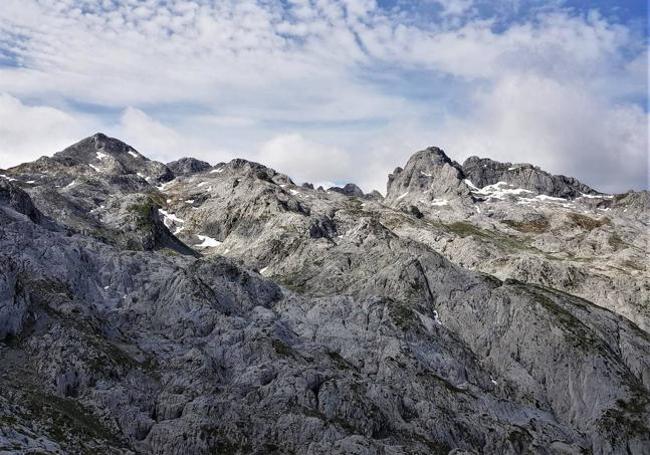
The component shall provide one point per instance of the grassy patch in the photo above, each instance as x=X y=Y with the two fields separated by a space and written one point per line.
x=576 y=331
x=67 y=418
x=282 y=349
x=533 y=226
x=464 y=229
x=586 y=222
x=403 y=316
x=143 y=214
x=506 y=242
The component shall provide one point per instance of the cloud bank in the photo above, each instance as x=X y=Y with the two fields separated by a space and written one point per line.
x=331 y=90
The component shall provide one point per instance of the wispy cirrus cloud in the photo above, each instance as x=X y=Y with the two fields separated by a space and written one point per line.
x=275 y=81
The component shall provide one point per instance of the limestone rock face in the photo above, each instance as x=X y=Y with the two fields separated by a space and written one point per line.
x=228 y=310
x=188 y=166
x=113 y=156
x=350 y=189
x=12 y=197
x=429 y=179
x=484 y=171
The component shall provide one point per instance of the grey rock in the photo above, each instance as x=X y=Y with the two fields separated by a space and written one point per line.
x=316 y=322
x=188 y=166
x=115 y=156
x=374 y=195
x=429 y=176
x=484 y=171
x=350 y=189
x=16 y=199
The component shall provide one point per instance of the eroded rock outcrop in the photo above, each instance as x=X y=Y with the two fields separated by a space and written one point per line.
x=484 y=171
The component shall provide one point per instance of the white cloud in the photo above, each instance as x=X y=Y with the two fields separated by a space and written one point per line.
x=161 y=142
x=561 y=127
x=305 y=160
x=29 y=132
x=217 y=79
x=158 y=140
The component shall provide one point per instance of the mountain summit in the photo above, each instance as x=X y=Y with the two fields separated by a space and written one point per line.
x=430 y=175
x=484 y=171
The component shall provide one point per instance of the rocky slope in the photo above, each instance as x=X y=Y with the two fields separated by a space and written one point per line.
x=188 y=308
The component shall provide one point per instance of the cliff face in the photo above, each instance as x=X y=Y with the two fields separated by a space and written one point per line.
x=223 y=309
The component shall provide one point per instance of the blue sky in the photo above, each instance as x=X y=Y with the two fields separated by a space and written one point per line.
x=333 y=90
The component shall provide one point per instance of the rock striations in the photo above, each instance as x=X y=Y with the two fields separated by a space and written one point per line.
x=190 y=308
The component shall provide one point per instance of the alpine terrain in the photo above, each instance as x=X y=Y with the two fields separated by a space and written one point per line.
x=186 y=308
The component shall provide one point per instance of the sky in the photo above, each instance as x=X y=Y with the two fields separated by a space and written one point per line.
x=334 y=91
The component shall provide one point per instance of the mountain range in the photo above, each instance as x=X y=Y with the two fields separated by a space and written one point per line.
x=190 y=308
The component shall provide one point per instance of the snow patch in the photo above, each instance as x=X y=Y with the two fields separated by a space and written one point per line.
x=263 y=270
x=425 y=174
x=101 y=156
x=543 y=197
x=208 y=242
x=217 y=171
x=402 y=196
x=596 y=196
x=11 y=179
x=163 y=187
x=133 y=154
x=470 y=184
x=95 y=168
x=169 y=219
x=202 y=184
x=294 y=192
x=501 y=190
x=189 y=201
x=440 y=202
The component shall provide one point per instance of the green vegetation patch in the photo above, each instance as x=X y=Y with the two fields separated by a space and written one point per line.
x=66 y=418
x=506 y=242
x=143 y=214
x=586 y=222
x=403 y=316
x=536 y=226
x=283 y=349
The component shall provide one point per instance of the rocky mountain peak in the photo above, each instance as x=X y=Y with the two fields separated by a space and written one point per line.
x=188 y=166
x=429 y=175
x=107 y=155
x=483 y=172
x=350 y=189
x=246 y=169
x=95 y=147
